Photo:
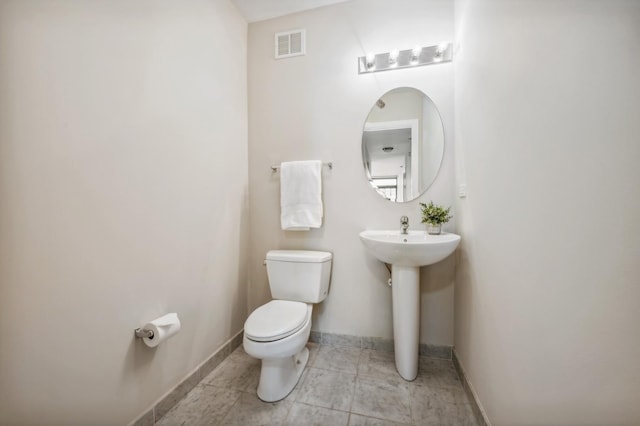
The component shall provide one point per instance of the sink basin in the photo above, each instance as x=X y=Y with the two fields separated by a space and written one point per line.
x=417 y=248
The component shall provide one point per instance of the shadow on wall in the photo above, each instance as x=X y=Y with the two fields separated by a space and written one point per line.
x=464 y=287
x=243 y=271
x=139 y=362
x=146 y=363
x=438 y=276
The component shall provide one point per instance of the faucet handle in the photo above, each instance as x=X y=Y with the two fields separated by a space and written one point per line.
x=404 y=220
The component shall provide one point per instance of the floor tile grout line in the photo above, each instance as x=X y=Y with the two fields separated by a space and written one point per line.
x=333 y=371
x=365 y=377
x=221 y=421
x=411 y=422
x=320 y=406
x=344 y=372
x=289 y=410
x=355 y=384
x=378 y=418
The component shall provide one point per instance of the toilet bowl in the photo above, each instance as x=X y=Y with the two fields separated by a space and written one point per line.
x=283 y=357
x=278 y=331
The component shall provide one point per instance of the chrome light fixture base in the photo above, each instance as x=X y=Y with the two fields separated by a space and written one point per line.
x=416 y=57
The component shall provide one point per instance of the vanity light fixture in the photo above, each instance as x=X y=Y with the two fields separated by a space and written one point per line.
x=397 y=59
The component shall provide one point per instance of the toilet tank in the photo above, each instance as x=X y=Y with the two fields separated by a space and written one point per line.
x=299 y=275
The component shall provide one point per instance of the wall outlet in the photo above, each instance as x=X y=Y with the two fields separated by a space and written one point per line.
x=462 y=190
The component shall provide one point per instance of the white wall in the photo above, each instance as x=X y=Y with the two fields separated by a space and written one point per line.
x=314 y=107
x=123 y=188
x=547 y=294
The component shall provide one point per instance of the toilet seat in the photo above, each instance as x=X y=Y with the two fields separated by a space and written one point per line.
x=276 y=320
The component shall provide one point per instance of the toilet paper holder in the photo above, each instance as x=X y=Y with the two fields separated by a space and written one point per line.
x=142 y=333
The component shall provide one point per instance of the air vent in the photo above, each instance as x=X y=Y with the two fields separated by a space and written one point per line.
x=290 y=43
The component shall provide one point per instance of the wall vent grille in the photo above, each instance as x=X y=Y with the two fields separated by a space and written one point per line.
x=290 y=43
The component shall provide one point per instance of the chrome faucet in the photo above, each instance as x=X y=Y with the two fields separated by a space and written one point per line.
x=404 y=221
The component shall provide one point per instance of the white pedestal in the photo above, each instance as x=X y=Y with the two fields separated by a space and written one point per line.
x=405 y=293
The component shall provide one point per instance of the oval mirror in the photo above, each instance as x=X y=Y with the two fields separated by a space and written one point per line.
x=402 y=144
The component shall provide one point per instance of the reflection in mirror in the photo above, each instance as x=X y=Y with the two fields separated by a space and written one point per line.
x=402 y=144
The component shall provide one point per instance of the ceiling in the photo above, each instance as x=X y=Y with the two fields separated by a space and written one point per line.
x=398 y=139
x=259 y=10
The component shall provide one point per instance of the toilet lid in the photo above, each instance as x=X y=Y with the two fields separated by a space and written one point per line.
x=275 y=320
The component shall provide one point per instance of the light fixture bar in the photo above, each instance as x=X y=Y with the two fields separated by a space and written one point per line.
x=398 y=59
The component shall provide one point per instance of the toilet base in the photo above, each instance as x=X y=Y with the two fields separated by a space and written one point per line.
x=278 y=376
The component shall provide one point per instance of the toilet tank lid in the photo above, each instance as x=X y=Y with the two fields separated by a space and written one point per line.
x=308 y=256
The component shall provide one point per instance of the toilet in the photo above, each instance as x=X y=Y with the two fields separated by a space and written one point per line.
x=277 y=332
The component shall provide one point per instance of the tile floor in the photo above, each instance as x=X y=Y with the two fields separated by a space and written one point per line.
x=340 y=386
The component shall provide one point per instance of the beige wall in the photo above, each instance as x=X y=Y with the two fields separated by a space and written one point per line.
x=547 y=294
x=314 y=107
x=123 y=188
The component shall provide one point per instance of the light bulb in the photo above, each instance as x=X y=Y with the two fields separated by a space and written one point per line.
x=370 y=60
x=437 y=57
x=393 y=58
x=415 y=54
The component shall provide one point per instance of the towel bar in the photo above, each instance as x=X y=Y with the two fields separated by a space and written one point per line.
x=275 y=168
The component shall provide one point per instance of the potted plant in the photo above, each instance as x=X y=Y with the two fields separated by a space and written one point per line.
x=434 y=216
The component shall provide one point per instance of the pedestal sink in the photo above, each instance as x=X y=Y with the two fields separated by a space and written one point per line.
x=407 y=253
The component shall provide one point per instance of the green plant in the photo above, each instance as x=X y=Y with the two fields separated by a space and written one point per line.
x=435 y=214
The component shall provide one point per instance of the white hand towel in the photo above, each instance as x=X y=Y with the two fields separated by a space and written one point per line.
x=301 y=195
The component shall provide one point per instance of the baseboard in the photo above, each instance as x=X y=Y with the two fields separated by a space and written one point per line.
x=378 y=343
x=171 y=398
x=476 y=406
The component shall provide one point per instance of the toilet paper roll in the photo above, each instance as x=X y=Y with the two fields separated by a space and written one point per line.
x=163 y=328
